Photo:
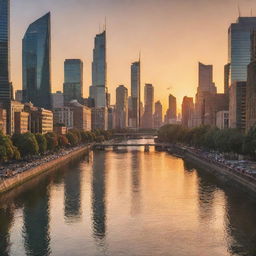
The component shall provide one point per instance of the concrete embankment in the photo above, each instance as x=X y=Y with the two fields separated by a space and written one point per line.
x=227 y=175
x=10 y=183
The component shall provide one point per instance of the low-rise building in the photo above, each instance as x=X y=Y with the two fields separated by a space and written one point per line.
x=16 y=107
x=41 y=121
x=21 y=122
x=57 y=100
x=64 y=116
x=222 y=119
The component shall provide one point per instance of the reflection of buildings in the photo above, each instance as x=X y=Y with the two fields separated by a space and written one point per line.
x=6 y=217
x=72 y=181
x=36 y=221
x=98 y=196
x=240 y=223
x=135 y=182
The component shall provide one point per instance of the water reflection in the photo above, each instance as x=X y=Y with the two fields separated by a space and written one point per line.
x=36 y=221
x=98 y=195
x=6 y=218
x=135 y=182
x=72 y=188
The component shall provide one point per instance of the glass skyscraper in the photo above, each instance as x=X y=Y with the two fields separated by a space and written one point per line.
x=134 y=119
x=73 y=80
x=240 y=47
x=5 y=87
x=36 y=57
x=98 y=89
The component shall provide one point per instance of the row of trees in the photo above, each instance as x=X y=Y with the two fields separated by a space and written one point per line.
x=211 y=138
x=28 y=144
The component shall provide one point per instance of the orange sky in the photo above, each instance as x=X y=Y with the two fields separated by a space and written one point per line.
x=173 y=35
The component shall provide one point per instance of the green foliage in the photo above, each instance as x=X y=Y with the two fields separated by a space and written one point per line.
x=63 y=141
x=72 y=139
x=26 y=144
x=228 y=140
x=42 y=143
x=7 y=150
x=52 y=141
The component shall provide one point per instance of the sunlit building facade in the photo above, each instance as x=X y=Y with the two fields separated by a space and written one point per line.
x=36 y=59
x=98 y=90
x=158 y=115
x=147 y=120
x=121 y=107
x=134 y=119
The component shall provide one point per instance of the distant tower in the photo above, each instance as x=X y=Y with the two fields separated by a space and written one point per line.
x=121 y=107
x=73 y=80
x=148 y=108
x=158 y=115
x=36 y=63
x=135 y=95
x=98 y=90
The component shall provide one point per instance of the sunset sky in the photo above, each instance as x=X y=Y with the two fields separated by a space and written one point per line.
x=172 y=35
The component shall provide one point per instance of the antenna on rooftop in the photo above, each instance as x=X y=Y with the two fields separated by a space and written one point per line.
x=239 y=11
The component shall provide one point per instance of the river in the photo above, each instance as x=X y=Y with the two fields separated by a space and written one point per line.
x=127 y=203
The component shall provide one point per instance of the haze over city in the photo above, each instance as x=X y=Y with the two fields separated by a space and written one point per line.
x=171 y=35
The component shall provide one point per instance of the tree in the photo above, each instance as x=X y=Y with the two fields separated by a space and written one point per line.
x=42 y=143
x=63 y=141
x=72 y=138
x=7 y=150
x=52 y=141
x=249 y=144
x=26 y=143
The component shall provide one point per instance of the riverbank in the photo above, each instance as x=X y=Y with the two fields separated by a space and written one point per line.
x=9 y=183
x=228 y=175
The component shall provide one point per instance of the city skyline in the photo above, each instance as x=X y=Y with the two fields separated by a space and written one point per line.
x=162 y=68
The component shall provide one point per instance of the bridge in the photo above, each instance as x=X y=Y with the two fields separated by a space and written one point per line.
x=115 y=146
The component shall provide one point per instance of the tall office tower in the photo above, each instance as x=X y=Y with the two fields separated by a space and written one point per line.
x=73 y=80
x=98 y=90
x=226 y=78
x=251 y=87
x=5 y=85
x=36 y=63
x=121 y=119
x=187 y=111
x=135 y=94
x=206 y=88
x=239 y=47
x=171 y=114
x=158 y=115
x=147 y=120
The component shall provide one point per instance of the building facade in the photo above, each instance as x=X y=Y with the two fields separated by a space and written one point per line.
x=65 y=116
x=134 y=119
x=239 y=47
x=222 y=119
x=36 y=63
x=57 y=100
x=100 y=119
x=158 y=115
x=18 y=96
x=5 y=85
x=237 y=106
x=121 y=107
x=187 y=111
x=3 y=120
x=73 y=80
x=98 y=90
x=21 y=122
x=171 y=113
x=147 y=120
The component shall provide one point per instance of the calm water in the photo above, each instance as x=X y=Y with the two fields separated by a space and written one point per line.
x=130 y=203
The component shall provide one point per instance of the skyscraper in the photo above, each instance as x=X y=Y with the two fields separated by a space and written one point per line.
x=121 y=107
x=206 y=88
x=171 y=113
x=98 y=90
x=148 y=108
x=36 y=60
x=239 y=47
x=73 y=80
x=5 y=85
x=158 y=115
x=187 y=111
x=134 y=121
